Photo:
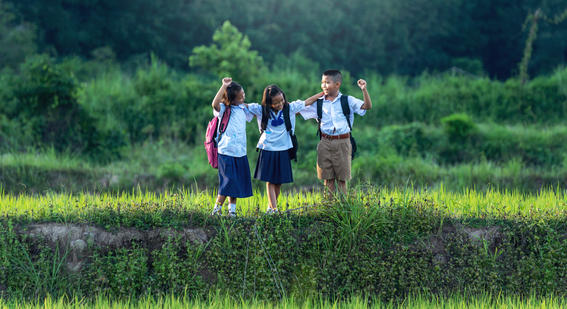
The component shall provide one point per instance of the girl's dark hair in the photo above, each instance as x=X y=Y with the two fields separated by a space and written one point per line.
x=269 y=92
x=231 y=92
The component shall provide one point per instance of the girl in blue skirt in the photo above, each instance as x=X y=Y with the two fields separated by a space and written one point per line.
x=234 y=171
x=274 y=164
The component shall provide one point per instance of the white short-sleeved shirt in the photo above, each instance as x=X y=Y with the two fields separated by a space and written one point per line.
x=233 y=141
x=276 y=137
x=333 y=121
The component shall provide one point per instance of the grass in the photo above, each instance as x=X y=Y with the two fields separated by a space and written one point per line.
x=47 y=160
x=161 y=165
x=189 y=199
x=219 y=301
x=468 y=203
x=385 y=230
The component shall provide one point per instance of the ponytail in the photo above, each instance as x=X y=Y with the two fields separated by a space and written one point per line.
x=231 y=92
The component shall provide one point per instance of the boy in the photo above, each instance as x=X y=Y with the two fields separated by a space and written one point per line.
x=334 y=149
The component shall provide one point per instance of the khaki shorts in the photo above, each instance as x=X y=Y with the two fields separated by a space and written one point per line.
x=334 y=159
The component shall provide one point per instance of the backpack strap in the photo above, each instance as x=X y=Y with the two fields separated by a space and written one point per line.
x=319 y=109
x=345 y=107
x=265 y=118
x=287 y=120
x=319 y=115
x=346 y=110
x=223 y=123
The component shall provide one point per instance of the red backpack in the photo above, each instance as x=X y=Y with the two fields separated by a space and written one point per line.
x=211 y=146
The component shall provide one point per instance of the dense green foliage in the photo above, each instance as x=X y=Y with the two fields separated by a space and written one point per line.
x=388 y=36
x=17 y=39
x=44 y=103
x=146 y=128
x=376 y=243
x=140 y=121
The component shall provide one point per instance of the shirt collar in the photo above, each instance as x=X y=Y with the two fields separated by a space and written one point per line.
x=338 y=97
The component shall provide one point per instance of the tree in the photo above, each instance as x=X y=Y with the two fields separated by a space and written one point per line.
x=229 y=55
x=168 y=28
x=533 y=19
x=17 y=40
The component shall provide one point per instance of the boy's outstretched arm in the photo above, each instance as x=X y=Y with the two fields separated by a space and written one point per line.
x=367 y=102
x=218 y=97
x=313 y=99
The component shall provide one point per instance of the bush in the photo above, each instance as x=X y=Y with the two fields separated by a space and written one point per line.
x=458 y=127
x=45 y=99
x=15 y=136
x=410 y=140
x=156 y=103
x=429 y=98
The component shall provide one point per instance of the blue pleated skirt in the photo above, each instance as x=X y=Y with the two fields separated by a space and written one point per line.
x=234 y=176
x=274 y=167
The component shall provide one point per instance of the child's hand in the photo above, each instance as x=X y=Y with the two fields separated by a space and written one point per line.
x=226 y=81
x=362 y=84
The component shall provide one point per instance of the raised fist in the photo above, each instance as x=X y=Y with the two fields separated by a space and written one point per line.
x=226 y=81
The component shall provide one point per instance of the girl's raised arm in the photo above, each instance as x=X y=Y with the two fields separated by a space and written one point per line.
x=218 y=97
x=313 y=99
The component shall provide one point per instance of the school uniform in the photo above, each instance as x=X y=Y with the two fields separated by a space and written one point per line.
x=234 y=171
x=334 y=149
x=274 y=164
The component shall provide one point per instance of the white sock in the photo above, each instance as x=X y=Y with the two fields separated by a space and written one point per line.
x=232 y=207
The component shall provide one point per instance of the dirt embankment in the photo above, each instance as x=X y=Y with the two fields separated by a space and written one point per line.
x=78 y=241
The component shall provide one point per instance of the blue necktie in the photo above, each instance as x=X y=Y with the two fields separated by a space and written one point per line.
x=278 y=121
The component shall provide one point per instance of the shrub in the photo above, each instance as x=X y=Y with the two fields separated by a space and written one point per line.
x=46 y=100
x=458 y=127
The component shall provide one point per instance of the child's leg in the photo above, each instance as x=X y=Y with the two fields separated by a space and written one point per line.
x=342 y=186
x=278 y=188
x=330 y=185
x=217 y=210
x=272 y=197
x=232 y=206
x=221 y=199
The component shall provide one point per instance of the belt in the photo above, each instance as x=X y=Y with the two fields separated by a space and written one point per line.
x=346 y=135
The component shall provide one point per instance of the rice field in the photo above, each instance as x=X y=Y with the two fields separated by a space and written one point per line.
x=219 y=301
x=467 y=203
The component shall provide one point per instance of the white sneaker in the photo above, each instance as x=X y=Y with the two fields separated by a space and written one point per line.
x=217 y=211
x=232 y=214
x=272 y=211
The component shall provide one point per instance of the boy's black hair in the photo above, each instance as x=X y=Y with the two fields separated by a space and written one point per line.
x=231 y=92
x=335 y=75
